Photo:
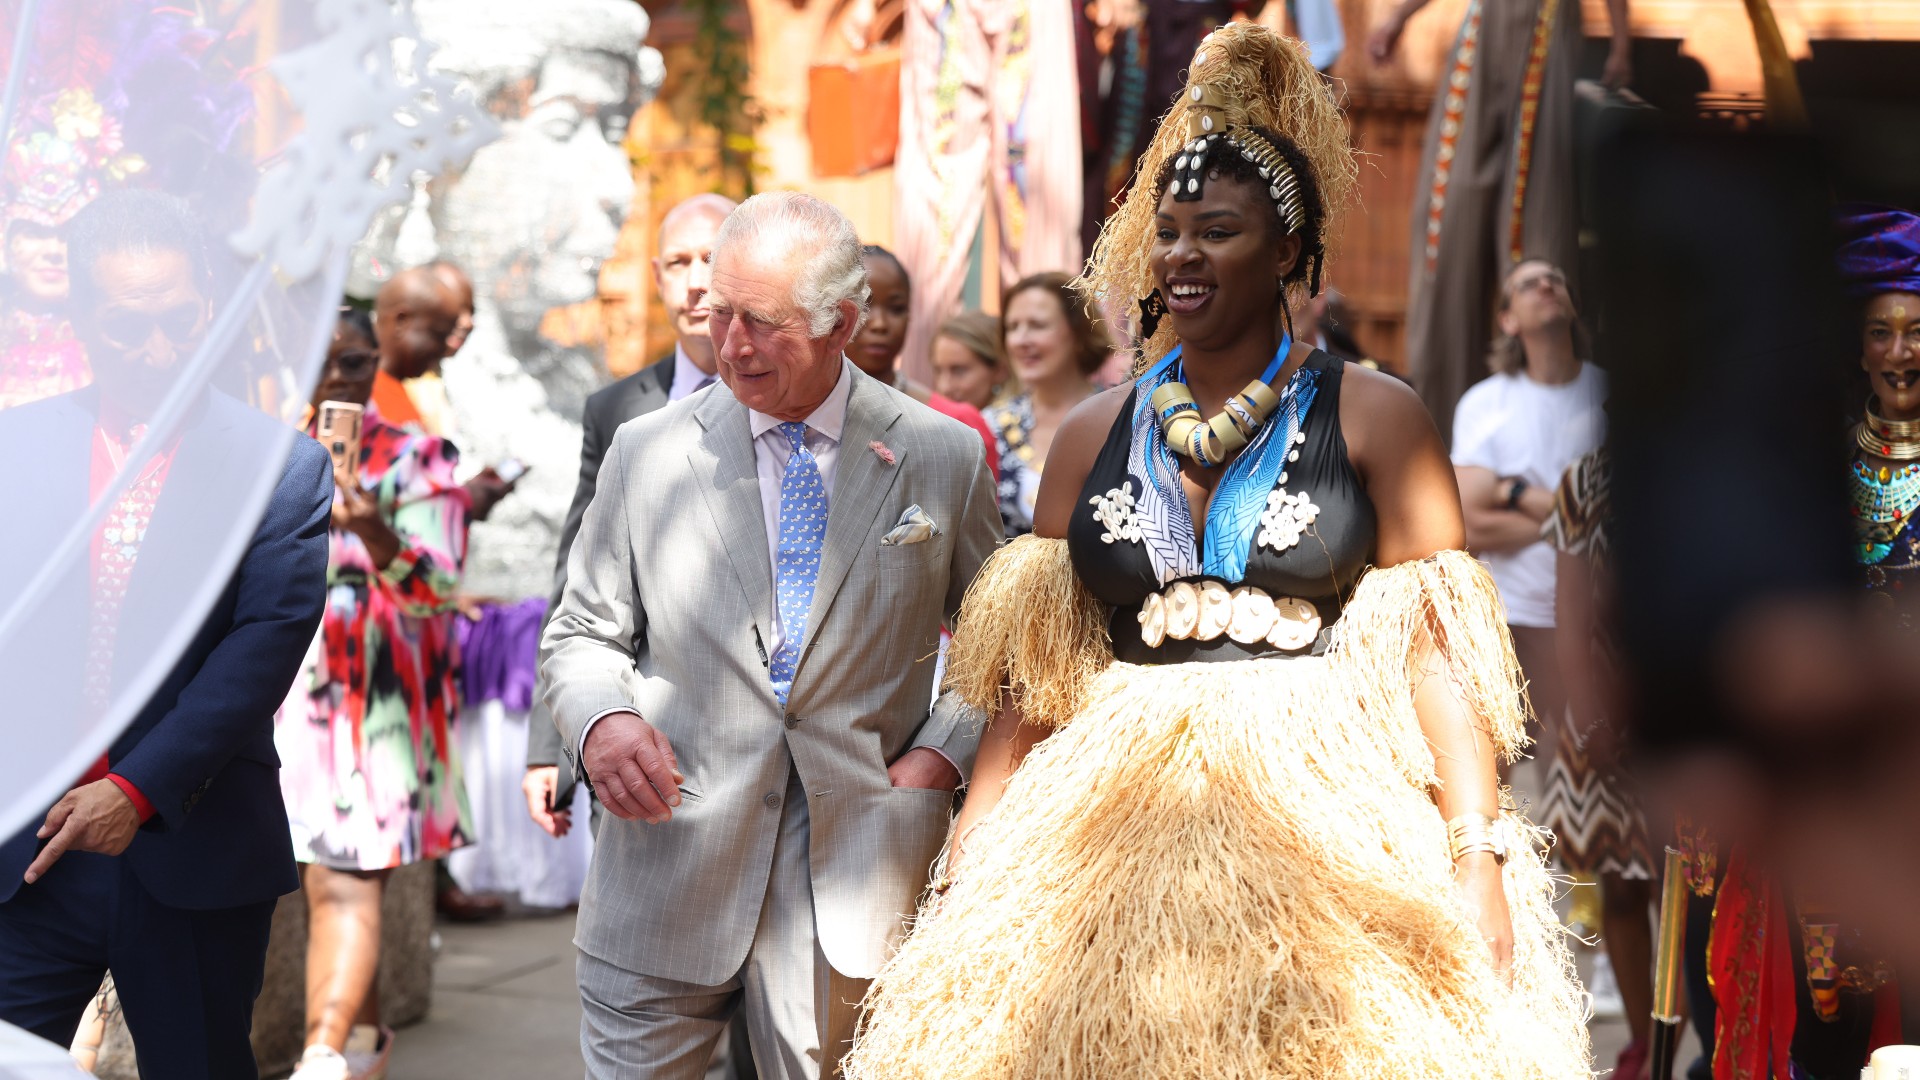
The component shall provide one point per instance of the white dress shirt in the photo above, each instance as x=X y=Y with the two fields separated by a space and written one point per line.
x=687 y=376
x=770 y=453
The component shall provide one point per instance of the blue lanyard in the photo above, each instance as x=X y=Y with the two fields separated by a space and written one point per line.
x=1233 y=516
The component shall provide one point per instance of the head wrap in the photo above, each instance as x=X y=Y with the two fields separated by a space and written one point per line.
x=59 y=164
x=1243 y=76
x=1880 y=250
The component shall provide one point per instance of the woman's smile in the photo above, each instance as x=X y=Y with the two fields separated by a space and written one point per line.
x=1186 y=296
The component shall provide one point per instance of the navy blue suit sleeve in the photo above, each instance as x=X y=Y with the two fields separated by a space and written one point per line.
x=281 y=591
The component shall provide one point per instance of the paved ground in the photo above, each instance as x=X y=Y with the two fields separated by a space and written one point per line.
x=504 y=1008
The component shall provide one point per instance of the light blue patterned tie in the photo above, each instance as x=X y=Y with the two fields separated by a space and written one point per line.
x=803 y=532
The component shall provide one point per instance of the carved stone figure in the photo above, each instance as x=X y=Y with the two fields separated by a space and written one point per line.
x=531 y=219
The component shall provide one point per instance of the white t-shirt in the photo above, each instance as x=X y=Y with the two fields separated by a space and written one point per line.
x=1515 y=426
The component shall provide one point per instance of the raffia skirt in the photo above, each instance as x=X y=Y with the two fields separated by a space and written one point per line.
x=1231 y=870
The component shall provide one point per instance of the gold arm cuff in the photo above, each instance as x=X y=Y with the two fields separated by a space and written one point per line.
x=1475 y=832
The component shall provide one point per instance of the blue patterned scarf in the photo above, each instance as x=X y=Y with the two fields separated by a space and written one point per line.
x=1234 y=514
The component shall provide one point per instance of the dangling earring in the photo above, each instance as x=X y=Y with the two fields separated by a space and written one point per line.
x=1152 y=310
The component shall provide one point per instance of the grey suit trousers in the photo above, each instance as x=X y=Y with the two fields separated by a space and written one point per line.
x=799 y=1012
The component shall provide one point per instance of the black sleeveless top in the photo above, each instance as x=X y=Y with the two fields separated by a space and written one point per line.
x=1323 y=567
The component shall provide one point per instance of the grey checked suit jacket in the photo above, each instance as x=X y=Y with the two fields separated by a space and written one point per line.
x=667 y=612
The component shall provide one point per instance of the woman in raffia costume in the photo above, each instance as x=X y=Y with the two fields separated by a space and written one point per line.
x=1236 y=812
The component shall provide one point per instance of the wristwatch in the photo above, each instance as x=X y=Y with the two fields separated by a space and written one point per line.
x=1518 y=488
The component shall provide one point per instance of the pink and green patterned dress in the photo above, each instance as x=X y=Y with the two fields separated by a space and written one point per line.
x=39 y=357
x=368 y=765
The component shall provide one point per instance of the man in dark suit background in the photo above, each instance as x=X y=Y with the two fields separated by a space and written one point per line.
x=163 y=863
x=680 y=272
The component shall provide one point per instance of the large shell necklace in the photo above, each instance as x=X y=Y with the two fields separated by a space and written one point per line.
x=1209 y=443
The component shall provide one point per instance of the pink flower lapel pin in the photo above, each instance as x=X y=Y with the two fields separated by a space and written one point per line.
x=880 y=451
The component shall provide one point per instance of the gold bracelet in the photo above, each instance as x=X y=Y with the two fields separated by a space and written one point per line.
x=1470 y=833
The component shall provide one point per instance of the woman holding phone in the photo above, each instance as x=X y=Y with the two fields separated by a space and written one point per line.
x=368 y=765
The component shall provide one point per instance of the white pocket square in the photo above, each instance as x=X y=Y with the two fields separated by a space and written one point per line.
x=914 y=527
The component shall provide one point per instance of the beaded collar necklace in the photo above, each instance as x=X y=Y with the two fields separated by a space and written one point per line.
x=1884 y=500
x=1895 y=440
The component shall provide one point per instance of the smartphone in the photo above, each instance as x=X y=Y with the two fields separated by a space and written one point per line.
x=510 y=470
x=339 y=431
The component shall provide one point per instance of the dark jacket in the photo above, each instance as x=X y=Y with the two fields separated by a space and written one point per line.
x=201 y=749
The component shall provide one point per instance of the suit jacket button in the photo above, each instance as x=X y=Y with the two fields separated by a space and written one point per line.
x=793 y=721
x=771 y=799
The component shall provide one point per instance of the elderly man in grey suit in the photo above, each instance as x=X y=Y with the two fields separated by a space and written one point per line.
x=742 y=663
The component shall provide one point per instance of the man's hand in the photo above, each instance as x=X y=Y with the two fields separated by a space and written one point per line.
x=93 y=817
x=1537 y=502
x=632 y=768
x=484 y=492
x=922 y=767
x=539 y=785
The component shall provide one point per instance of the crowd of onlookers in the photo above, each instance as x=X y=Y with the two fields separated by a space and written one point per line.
x=368 y=736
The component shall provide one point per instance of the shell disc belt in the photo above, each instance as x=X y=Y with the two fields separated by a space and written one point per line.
x=1206 y=610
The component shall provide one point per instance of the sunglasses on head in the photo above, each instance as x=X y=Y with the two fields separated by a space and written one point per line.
x=132 y=329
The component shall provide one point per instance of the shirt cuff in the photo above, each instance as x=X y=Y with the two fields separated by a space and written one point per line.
x=957 y=770
x=580 y=749
x=140 y=804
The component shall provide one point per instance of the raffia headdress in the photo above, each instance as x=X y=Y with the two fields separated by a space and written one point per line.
x=1246 y=75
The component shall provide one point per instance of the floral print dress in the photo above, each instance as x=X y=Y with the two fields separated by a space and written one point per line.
x=368 y=765
x=1019 y=471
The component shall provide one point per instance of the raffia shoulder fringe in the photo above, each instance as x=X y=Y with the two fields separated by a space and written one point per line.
x=1444 y=608
x=1029 y=627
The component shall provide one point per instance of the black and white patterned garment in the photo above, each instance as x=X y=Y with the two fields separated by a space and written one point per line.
x=1314 y=539
x=1597 y=826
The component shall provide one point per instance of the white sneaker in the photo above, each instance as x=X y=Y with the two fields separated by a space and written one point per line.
x=369 y=1046
x=321 y=1062
x=1605 y=989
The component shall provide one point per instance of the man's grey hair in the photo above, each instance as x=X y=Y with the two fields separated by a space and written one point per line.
x=817 y=239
